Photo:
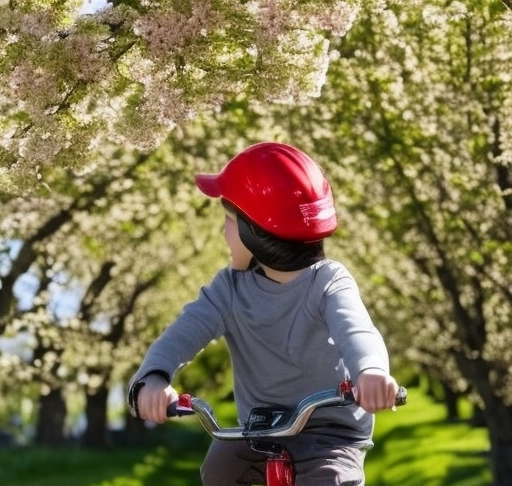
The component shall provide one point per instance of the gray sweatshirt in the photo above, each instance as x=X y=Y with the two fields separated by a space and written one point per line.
x=286 y=341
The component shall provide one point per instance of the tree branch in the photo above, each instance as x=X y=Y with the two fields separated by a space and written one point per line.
x=94 y=290
x=118 y=322
x=28 y=253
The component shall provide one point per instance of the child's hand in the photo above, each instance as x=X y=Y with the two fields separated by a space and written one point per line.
x=154 y=398
x=375 y=390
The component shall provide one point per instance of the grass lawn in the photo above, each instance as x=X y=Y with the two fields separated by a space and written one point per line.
x=172 y=463
x=414 y=446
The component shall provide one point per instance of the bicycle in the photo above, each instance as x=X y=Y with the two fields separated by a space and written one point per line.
x=266 y=424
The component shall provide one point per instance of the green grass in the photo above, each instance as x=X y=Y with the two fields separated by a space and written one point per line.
x=174 y=462
x=414 y=446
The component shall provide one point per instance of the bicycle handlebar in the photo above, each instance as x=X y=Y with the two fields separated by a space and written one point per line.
x=270 y=422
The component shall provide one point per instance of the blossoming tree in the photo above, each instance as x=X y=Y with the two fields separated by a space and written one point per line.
x=129 y=73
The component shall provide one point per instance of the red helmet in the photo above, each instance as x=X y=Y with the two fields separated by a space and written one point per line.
x=279 y=188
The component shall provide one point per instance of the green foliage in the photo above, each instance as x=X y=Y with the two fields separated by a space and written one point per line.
x=209 y=373
x=130 y=73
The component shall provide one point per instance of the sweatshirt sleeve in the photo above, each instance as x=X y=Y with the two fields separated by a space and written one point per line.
x=198 y=324
x=359 y=343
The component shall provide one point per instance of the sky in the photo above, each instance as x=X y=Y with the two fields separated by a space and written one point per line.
x=90 y=6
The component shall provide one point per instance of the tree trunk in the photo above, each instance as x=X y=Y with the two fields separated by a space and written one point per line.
x=51 y=419
x=135 y=432
x=96 y=434
x=451 y=401
x=501 y=453
x=478 y=417
x=498 y=418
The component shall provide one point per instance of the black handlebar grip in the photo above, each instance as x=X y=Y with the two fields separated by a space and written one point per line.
x=172 y=409
x=401 y=396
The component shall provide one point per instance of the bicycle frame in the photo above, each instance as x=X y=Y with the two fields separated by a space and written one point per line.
x=279 y=470
x=268 y=424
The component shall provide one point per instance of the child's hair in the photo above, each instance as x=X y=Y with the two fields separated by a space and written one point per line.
x=276 y=253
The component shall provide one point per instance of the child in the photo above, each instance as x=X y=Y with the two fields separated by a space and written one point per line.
x=293 y=321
